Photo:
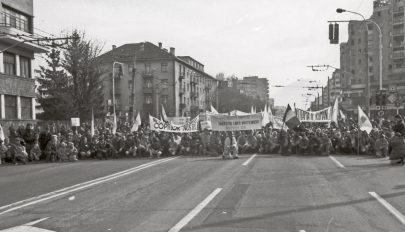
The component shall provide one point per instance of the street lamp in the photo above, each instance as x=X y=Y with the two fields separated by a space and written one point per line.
x=113 y=98
x=340 y=10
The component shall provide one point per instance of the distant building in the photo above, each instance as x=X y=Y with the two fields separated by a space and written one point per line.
x=255 y=87
x=179 y=83
x=17 y=84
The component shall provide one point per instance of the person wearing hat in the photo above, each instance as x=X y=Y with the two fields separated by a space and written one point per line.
x=399 y=126
x=230 y=147
x=396 y=149
x=381 y=146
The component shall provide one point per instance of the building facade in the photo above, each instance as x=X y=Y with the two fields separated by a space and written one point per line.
x=17 y=84
x=153 y=76
x=255 y=87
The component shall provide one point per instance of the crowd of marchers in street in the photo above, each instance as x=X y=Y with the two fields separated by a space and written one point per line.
x=55 y=143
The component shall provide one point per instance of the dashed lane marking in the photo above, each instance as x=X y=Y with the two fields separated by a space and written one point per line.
x=248 y=161
x=389 y=207
x=339 y=164
x=194 y=212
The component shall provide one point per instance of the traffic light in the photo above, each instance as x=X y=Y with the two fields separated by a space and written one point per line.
x=334 y=33
x=378 y=99
x=383 y=99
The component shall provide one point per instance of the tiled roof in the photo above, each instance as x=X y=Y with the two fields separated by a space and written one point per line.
x=144 y=50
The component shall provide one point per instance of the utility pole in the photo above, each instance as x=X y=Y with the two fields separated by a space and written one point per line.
x=318 y=102
x=133 y=90
x=328 y=91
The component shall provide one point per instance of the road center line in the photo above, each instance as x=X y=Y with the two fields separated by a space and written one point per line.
x=77 y=187
x=339 y=164
x=183 y=222
x=389 y=207
x=248 y=161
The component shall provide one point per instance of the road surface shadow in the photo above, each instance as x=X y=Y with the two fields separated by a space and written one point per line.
x=287 y=212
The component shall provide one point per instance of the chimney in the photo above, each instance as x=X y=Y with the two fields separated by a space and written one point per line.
x=173 y=51
x=114 y=47
x=160 y=45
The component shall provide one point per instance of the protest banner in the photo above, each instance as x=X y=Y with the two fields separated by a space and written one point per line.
x=178 y=120
x=236 y=123
x=159 y=125
x=75 y=121
x=324 y=115
x=206 y=125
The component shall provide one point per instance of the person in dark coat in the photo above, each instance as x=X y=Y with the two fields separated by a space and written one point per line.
x=397 y=149
x=399 y=126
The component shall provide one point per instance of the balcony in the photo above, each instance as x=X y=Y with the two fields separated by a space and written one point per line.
x=194 y=95
x=398 y=10
x=398 y=55
x=148 y=90
x=13 y=85
x=147 y=73
x=398 y=33
x=181 y=76
x=398 y=20
x=182 y=91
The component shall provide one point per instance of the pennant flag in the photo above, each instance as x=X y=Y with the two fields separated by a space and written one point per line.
x=114 y=129
x=164 y=114
x=270 y=114
x=290 y=119
x=342 y=115
x=364 y=122
x=137 y=123
x=254 y=110
x=213 y=110
x=2 y=137
x=251 y=110
x=92 y=122
x=335 y=112
x=265 y=115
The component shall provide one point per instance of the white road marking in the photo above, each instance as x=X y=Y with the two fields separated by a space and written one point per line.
x=248 y=161
x=389 y=207
x=302 y=231
x=36 y=221
x=340 y=165
x=28 y=227
x=77 y=187
x=183 y=222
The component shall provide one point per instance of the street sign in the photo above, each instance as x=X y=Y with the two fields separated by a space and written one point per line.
x=380 y=113
x=392 y=98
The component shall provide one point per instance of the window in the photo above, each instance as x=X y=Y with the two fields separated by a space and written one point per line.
x=359 y=61
x=9 y=63
x=148 y=84
x=370 y=69
x=359 y=41
x=148 y=68
x=25 y=67
x=164 y=99
x=10 y=106
x=15 y=19
x=130 y=85
x=26 y=108
x=148 y=99
x=164 y=67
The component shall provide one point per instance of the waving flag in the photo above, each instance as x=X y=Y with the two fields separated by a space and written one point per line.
x=335 y=112
x=137 y=123
x=364 y=122
x=213 y=110
x=2 y=137
x=164 y=114
x=290 y=119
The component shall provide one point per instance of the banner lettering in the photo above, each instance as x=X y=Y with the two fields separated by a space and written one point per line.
x=236 y=123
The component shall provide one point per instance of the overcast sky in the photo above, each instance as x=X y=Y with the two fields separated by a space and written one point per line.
x=267 y=38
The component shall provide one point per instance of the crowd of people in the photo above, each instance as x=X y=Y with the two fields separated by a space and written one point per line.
x=61 y=144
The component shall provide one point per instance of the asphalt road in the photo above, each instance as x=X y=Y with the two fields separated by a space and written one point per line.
x=260 y=193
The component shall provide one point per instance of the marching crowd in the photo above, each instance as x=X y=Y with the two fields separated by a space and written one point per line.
x=61 y=144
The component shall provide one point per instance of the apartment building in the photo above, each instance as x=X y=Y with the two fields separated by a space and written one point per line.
x=255 y=87
x=17 y=84
x=152 y=76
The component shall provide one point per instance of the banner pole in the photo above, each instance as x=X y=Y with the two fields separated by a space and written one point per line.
x=358 y=142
